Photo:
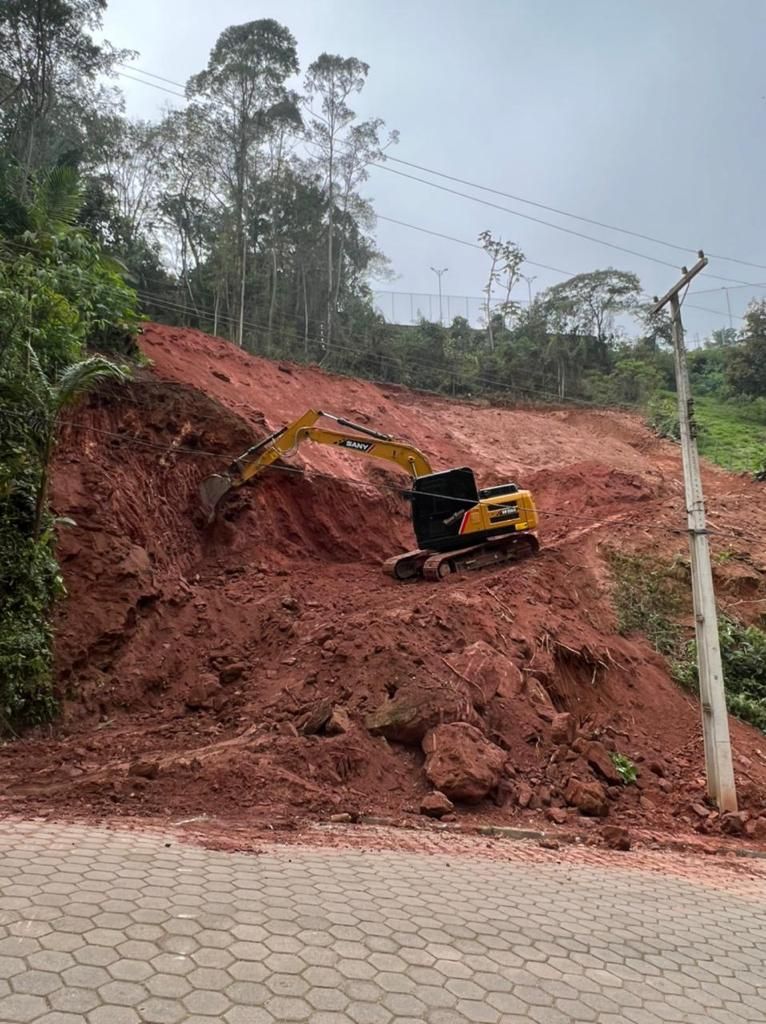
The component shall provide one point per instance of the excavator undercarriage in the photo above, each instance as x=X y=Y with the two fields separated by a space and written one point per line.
x=457 y=525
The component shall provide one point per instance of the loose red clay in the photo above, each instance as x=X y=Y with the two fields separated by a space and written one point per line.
x=264 y=671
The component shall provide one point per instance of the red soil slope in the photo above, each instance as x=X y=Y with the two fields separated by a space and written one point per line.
x=192 y=660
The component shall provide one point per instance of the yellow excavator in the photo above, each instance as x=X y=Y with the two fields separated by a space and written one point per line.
x=457 y=525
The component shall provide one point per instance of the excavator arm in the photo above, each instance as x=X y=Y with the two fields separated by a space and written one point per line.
x=286 y=440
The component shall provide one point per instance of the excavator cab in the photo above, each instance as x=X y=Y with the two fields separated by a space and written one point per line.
x=450 y=512
x=439 y=503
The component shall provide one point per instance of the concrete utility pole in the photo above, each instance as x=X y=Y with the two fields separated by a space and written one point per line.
x=439 y=275
x=715 y=721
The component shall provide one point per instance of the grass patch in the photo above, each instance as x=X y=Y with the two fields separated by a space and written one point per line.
x=649 y=597
x=625 y=769
x=649 y=600
x=733 y=435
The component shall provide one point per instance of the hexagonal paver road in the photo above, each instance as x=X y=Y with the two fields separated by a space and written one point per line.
x=127 y=928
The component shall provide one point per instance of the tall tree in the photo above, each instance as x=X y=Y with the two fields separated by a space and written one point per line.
x=746 y=371
x=506 y=260
x=330 y=82
x=49 y=78
x=243 y=92
x=590 y=303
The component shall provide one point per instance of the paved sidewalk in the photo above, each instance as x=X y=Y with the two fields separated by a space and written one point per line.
x=120 y=928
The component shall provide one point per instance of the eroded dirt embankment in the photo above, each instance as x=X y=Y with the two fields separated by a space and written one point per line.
x=265 y=670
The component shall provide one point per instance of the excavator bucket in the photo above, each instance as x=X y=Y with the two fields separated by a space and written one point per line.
x=211 y=490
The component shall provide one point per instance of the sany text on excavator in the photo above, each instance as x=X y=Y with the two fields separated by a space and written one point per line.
x=457 y=525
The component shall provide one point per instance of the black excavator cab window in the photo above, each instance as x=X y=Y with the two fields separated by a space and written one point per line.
x=439 y=501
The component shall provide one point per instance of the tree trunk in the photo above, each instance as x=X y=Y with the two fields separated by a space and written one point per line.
x=490 y=335
x=273 y=300
x=240 y=337
x=330 y=228
x=305 y=318
x=341 y=250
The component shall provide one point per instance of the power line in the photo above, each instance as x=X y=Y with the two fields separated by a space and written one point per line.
x=538 y=220
x=62 y=268
x=730 y=288
x=462 y=241
x=565 y=213
x=557 y=270
x=516 y=213
x=150 y=74
x=152 y=85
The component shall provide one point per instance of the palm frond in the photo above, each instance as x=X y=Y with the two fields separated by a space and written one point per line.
x=80 y=377
x=57 y=200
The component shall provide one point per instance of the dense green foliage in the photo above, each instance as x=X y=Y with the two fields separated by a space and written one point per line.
x=57 y=294
x=649 y=597
x=743 y=654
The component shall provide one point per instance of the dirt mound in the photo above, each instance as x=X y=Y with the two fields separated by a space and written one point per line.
x=265 y=669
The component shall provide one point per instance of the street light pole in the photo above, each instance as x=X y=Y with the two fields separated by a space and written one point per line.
x=529 y=281
x=728 y=306
x=439 y=275
x=715 y=722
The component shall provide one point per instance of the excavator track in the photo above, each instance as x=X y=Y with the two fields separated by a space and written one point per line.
x=407 y=566
x=435 y=566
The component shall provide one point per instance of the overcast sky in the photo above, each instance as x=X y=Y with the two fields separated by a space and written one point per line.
x=648 y=115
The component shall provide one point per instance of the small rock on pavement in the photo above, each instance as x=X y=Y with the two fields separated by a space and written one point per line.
x=549 y=844
x=338 y=723
x=755 y=828
x=436 y=805
x=341 y=819
x=563 y=728
x=144 y=769
x=557 y=815
x=616 y=837
x=588 y=797
x=734 y=822
x=523 y=794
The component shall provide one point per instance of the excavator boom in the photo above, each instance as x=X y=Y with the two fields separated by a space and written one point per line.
x=284 y=441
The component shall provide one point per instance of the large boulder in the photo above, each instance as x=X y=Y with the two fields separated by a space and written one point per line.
x=488 y=672
x=461 y=762
x=408 y=716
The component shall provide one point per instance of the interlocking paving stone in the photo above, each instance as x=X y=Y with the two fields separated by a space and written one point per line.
x=101 y=927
